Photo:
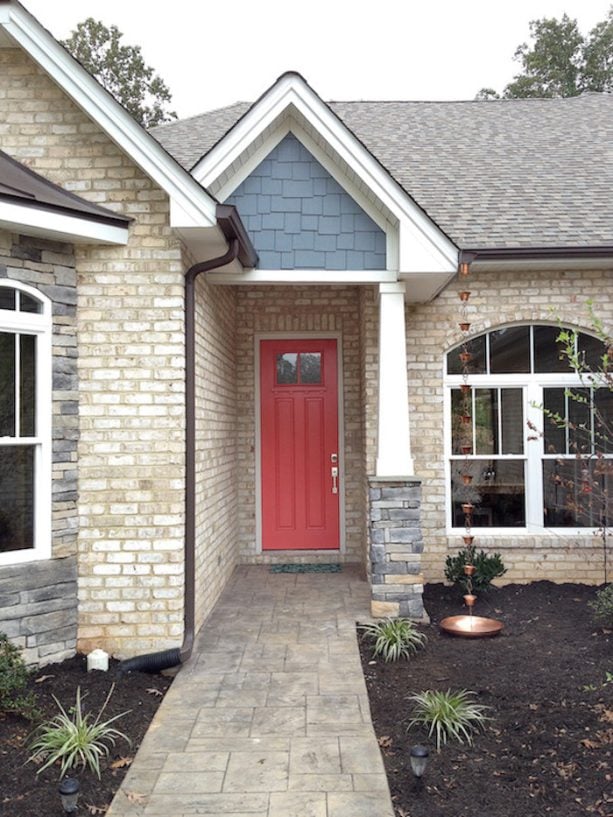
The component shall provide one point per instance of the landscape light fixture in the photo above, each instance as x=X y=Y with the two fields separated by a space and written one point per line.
x=419 y=760
x=69 y=794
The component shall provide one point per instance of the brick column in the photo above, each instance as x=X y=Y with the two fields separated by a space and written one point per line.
x=396 y=545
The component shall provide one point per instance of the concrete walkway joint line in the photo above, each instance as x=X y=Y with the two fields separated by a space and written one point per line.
x=270 y=717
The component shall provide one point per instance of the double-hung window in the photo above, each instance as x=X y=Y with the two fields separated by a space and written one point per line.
x=518 y=467
x=25 y=423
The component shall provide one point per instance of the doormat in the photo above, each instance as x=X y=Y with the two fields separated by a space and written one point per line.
x=296 y=568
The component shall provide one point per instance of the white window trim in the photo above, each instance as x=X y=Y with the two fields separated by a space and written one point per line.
x=41 y=326
x=532 y=386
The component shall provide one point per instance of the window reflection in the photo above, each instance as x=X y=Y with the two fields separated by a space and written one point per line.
x=16 y=498
x=287 y=370
x=310 y=367
x=296 y=368
x=7 y=385
x=496 y=490
x=510 y=350
x=577 y=493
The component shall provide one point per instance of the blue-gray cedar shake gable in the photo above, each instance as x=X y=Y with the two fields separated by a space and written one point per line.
x=299 y=217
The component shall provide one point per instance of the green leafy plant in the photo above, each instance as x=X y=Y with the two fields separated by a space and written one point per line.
x=488 y=566
x=448 y=715
x=76 y=739
x=14 y=675
x=603 y=606
x=394 y=638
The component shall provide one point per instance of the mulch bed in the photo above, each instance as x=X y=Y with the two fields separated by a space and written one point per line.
x=23 y=792
x=548 y=749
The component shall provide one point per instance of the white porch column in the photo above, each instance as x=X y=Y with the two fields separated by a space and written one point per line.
x=394 y=442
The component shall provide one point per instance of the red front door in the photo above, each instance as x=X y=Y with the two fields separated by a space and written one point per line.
x=300 y=462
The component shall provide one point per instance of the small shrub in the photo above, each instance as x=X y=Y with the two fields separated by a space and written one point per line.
x=448 y=715
x=488 y=566
x=13 y=681
x=75 y=739
x=394 y=638
x=603 y=606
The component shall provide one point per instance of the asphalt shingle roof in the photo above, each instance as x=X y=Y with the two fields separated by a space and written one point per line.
x=496 y=173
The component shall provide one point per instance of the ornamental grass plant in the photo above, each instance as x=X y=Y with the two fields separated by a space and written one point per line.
x=448 y=715
x=394 y=638
x=75 y=738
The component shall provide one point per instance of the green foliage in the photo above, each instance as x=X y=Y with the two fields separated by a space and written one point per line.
x=13 y=682
x=488 y=566
x=75 y=739
x=561 y=62
x=448 y=715
x=603 y=606
x=122 y=71
x=394 y=638
x=551 y=65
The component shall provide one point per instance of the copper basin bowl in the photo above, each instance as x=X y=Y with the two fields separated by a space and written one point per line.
x=471 y=626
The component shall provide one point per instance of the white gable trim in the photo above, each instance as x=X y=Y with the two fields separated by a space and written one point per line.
x=423 y=247
x=191 y=206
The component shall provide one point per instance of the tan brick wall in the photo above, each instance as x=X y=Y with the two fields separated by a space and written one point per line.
x=497 y=298
x=131 y=361
x=216 y=445
x=300 y=309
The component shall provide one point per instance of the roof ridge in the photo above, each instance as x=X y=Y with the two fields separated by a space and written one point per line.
x=199 y=115
x=466 y=101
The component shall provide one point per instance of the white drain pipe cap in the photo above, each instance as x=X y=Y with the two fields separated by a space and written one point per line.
x=98 y=659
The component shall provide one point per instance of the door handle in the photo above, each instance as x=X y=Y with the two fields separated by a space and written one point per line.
x=334 y=474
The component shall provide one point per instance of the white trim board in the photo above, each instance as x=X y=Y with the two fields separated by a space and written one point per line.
x=60 y=226
x=304 y=276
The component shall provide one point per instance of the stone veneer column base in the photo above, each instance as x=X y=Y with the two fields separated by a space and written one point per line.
x=396 y=545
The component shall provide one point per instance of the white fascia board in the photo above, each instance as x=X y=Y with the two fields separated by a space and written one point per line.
x=292 y=91
x=195 y=207
x=59 y=226
x=421 y=288
x=419 y=253
x=304 y=276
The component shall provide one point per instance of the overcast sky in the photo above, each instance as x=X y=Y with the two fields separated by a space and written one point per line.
x=212 y=53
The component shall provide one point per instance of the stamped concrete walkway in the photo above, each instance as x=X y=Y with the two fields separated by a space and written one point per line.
x=270 y=717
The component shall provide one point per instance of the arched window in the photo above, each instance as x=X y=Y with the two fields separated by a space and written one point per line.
x=25 y=423
x=505 y=451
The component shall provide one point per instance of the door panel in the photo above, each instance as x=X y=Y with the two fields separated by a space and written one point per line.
x=299 y=422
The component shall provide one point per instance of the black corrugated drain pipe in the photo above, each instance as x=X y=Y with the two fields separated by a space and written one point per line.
x=157 y=661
